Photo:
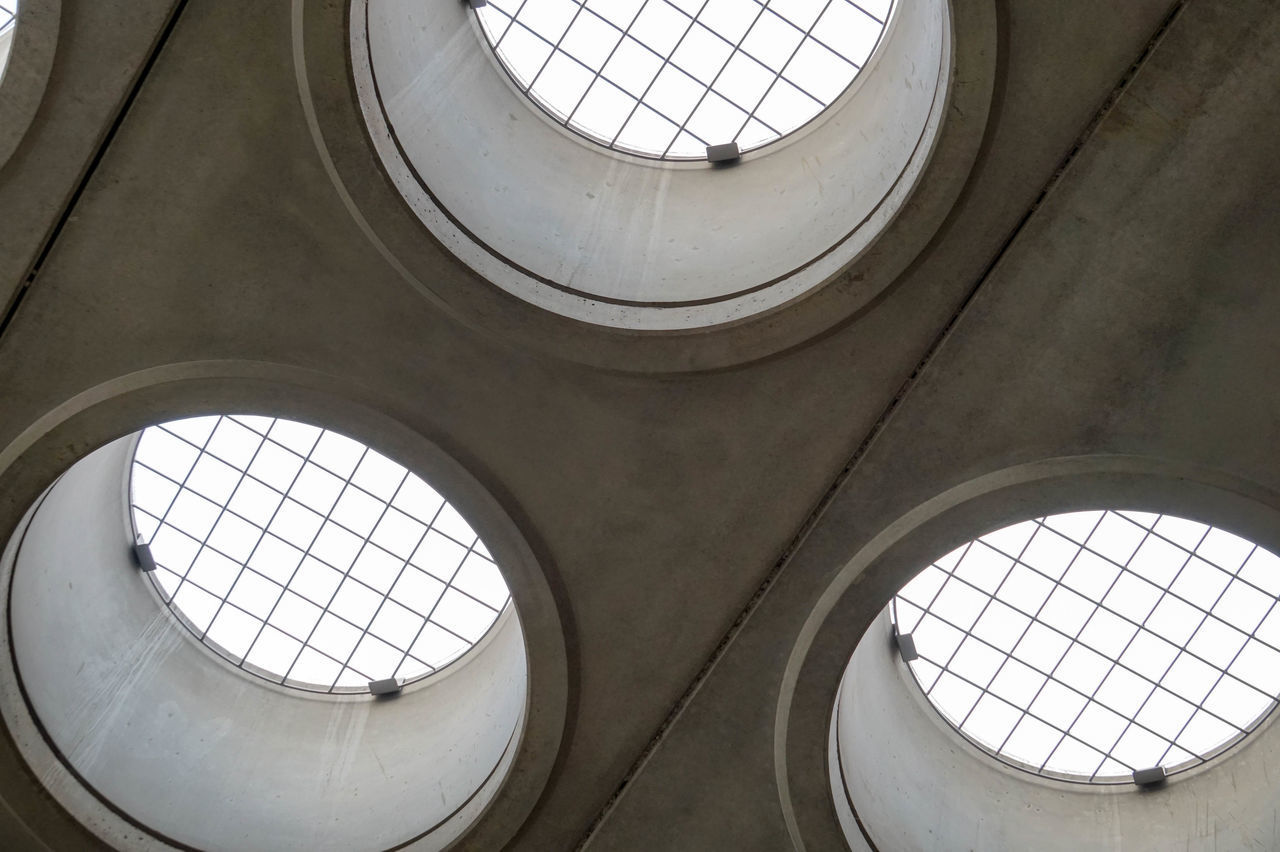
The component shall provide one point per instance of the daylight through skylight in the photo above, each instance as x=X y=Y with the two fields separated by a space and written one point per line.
x=667 y=78
x=1090 y=645
x=306 y=557
x=8 y=19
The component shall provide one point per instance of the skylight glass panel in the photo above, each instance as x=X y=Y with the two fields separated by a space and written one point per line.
x=8 y=19
x=667 y=78
x=307 y=558
x=1090 y=645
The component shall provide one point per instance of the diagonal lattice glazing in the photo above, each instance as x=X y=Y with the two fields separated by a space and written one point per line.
x=305 y=557
x=1089 y=645
x=667 y=78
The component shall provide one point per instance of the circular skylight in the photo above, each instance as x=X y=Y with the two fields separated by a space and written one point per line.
x=305 y=557
x=668 y=78
x=1091 y=645
x=8 y=20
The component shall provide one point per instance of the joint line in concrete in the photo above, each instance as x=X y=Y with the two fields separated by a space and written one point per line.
x=11 y=310
x=811 y=521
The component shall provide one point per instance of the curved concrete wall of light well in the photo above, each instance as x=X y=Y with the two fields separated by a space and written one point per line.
x=917 y=784
x=620 y=240
x=181 y=744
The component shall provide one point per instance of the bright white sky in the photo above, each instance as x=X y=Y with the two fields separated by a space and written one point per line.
x=667 y=78
x=1150 y=640
x=308 y=554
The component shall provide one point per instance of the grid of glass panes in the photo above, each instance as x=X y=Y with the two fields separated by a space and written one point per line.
x=306 y=557
x=667 y=78
x=1090 y=645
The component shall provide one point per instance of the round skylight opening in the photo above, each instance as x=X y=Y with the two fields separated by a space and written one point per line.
x=307 y=558
x=1093 y=645
x=8 y=22
x=666 y=79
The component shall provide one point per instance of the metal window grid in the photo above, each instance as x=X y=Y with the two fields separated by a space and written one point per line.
x=1099 y=756
x=782 y=63
x=8 y=15
x=415 y=588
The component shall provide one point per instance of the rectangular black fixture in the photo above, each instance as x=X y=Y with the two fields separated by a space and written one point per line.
x=1148 y=777
x=726 y=153
x=142 y=553
x=907 y=647
x=386 y=686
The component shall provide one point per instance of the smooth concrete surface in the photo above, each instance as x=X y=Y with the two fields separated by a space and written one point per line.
x=196 y=751
x=237 y=230
x=629 y=242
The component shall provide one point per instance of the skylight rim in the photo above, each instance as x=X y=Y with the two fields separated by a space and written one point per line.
x=1197 y=760
x=241 y=663
x=581 y=133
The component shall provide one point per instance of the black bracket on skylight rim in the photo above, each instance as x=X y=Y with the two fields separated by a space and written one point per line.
x=725 y=154
x=1149 y=778
x=386 y=686
x=476 y=4
x=143 y=556
x=906 y=647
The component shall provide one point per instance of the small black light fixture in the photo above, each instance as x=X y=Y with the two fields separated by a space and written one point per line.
x=143 y=556
x=1149 y=777
x=386 y=686
x=906 y=647
x=726 y=153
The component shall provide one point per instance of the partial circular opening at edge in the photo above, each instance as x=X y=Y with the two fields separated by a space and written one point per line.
x=8 y=24
x=900 y=774
x=1094 y=645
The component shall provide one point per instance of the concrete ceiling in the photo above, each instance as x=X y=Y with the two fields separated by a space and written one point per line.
x=1100 y=287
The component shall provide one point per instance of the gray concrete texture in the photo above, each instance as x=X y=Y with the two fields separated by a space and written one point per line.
x=1129 y=312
